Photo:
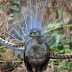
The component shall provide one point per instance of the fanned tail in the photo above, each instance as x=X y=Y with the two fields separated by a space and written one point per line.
x=54 y=55
x=33 y=14
x=18 y=26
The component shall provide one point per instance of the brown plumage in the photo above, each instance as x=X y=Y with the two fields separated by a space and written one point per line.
x=36 y=54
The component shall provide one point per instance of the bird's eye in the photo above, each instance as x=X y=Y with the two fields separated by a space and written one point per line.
x=30 y=33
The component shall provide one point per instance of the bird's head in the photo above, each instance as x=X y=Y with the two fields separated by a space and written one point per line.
x=35 y=33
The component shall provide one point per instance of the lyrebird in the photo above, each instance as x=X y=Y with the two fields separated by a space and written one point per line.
x=36 y=50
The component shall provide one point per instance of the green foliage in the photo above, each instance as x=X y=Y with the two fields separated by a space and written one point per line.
x=58 y=42
x=1 y=50
x=16 y=5
x=15 y=1
x=65 y=64
x=15 y=8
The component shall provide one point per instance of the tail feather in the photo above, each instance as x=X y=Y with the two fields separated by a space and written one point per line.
x=13 y=30
x=54 y=55
x=12 y=46
x=31 y=16
x=10 y=34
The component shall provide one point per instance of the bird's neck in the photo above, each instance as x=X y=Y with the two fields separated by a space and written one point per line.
x=37 y=40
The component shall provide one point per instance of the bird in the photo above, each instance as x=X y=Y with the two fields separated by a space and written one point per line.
x=36 y=51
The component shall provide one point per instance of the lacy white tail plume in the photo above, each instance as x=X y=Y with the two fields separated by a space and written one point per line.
x=31 y=17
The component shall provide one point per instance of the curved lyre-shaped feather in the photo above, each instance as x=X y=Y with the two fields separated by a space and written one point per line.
x=12 y=46
x=54 y=55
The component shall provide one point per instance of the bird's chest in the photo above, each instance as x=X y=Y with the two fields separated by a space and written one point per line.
x=35 y=52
